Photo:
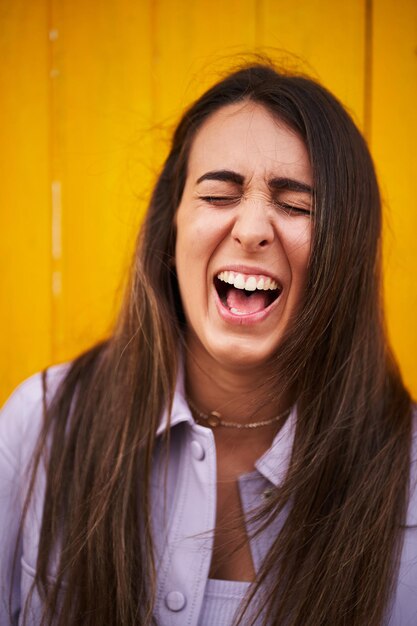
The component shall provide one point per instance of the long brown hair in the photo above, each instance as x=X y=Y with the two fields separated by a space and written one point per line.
x=334 y=562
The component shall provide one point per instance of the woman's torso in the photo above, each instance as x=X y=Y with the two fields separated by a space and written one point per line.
x=184 y=497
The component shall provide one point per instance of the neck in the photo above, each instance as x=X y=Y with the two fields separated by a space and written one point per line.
x=239 y=394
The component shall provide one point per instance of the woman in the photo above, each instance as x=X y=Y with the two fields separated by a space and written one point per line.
x=275 y=487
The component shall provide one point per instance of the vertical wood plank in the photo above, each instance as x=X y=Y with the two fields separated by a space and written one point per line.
x=81 y=114
x=101 y=152
x=325 y=38
x=394 y=141
x=25 y=308
x=195 y=42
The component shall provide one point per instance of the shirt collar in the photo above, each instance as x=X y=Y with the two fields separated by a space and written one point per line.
x=180 y=410
x=273 y=464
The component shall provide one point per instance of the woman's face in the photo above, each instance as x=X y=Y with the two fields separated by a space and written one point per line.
x=243 y=235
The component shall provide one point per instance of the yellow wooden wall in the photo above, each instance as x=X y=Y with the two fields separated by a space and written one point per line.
x=88 y=93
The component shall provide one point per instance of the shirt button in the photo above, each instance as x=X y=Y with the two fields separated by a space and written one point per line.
x=175 y=600
x=197 y=450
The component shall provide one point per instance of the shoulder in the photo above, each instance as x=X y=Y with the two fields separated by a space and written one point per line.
x=22 y=414
x=413 y=451
x=412 y=505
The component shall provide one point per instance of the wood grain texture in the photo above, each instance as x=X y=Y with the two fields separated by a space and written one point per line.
x=102 y=116
x=25 y=228
x=324 y=38
x=394 y=146
x=89 y=94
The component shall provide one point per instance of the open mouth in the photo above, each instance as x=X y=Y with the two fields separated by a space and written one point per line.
x=246 y=295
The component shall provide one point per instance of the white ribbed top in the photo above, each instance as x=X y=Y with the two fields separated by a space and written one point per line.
x=221 y=602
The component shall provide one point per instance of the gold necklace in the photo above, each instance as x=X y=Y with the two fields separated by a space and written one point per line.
x=214 y=418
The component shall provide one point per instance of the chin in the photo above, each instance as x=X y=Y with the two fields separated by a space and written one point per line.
x=242 y=354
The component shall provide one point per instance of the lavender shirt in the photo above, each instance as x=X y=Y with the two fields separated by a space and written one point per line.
x=183 y=520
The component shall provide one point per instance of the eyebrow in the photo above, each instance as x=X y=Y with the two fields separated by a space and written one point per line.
x=279 y=183
x=227 y=176
x=290 y=184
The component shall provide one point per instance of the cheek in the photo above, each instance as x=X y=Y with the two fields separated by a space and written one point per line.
x=190 y=248
x=298 y=247
x=192 y=251
x=199 y=233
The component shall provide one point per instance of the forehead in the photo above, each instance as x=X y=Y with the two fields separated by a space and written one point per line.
x=247 y=138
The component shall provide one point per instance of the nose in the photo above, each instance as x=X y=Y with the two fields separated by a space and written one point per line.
x=253 y=229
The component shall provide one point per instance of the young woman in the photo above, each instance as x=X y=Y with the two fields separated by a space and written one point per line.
x=240 y=449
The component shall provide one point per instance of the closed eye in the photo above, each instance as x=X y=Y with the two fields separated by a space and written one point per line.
x=292 y=209
x=220 y=200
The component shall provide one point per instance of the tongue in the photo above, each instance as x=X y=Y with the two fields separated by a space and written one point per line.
x=236 y=299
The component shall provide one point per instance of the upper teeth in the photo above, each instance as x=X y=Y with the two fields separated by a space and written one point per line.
x=249 y=283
